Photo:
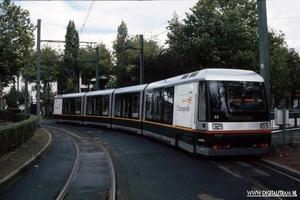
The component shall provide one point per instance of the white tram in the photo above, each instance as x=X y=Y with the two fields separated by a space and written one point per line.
x=209 y=112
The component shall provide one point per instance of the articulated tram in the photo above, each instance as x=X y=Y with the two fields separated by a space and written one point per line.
x=208 y=112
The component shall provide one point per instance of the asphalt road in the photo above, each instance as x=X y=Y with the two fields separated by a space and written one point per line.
x=145 y=170
x=46 y=178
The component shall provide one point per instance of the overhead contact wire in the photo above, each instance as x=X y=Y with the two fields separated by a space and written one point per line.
x=87 y=16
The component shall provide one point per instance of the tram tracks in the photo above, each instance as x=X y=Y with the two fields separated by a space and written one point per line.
x=92 y=172
x=263 y=176
x=289 y=174
x=269 y=180
x=64 y=189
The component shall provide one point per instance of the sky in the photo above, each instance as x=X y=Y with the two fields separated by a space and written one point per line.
x=98 y=21
x=149 y=18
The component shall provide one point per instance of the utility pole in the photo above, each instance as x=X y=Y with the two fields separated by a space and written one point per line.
x=26 y=82
x=97 y=68
x=141 y=60
x=38 y=53
x=1 y=96
x=18 y=89
x=48 y=93
x=264 y=48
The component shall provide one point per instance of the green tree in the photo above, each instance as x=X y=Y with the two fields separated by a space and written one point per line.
x=105 y=63
x=15 y=41
x=122 y=56
x=14 y=98
x=293 y=62
x=127 y=53
x=218 y=33
x=87 y=63
x=279 y=72
x=166 y=65
x=17 y=36
x=175 y=31
x=70 y=70
x=224 y=33
x=151 y=49
x=50 y=65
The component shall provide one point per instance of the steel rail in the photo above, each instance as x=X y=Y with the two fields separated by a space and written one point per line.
x=277 y=171
x=67 y=184
x=112 y=192
x=240 y=173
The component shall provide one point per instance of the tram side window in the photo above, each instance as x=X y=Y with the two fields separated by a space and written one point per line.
x=89 y=106
x=159 y=105
x=149 y=105
x=72 y=106
x=135 y=105
x=168 y=105
x=105 y=105
x=66 y=106
x=78 y=106
x=125 y=107
x=93 y=106
x=202 y=102
x=118 y=103
x=97 y=107
x=94 y=102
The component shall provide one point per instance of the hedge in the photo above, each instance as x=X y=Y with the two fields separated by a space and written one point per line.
x=14 y=135
x=13 y=115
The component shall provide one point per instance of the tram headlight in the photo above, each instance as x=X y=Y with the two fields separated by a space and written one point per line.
x=264 y=125
x=217 y=126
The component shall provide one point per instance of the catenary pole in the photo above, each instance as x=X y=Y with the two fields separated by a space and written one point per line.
x=97 y=68
x=38 y=53
x=26 y=81
x=141 y=60
x=264 y=47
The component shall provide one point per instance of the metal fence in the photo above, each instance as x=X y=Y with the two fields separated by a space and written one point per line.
x=288 y=135
x=294 y=120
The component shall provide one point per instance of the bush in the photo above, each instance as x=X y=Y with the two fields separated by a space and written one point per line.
x=14 y=110
x=14 y=135
x=4 y=114
x=13 y=115
x=19 y=117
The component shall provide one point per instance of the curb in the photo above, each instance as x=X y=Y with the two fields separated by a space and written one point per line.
x=16 y=174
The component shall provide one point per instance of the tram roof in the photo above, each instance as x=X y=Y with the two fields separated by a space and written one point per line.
x=135 y=88
x=230 y=75
x=219 y=74
x=100 y=92
x=70 y=95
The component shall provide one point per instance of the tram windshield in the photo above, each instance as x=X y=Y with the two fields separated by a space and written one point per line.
x=237 y=100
